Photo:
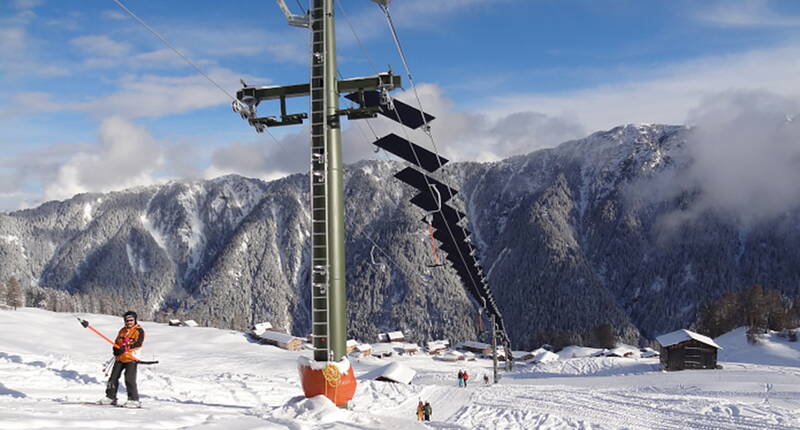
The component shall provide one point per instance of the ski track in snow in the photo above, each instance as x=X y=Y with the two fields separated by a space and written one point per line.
x=215 y=379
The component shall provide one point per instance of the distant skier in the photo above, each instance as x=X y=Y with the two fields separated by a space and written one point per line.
x=129 y=339
x=486 y=379
x=460 y=378
x=466 y=376
x=420 y=411
x=427 y=410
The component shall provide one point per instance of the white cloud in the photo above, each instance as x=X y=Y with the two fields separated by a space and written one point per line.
x=31 y=102
x=27 y=4
x=114 y=15
x=743 y=159
x=153 y=95
x=370 y=22
x=669 y=97
x=19 y=54
x=101 y=45
x=262 y=157
x=745 y=13
x=461 y=135
x=18 y=200
x=126 y=155
x=225 y=41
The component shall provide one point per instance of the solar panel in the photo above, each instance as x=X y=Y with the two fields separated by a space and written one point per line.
x=403 y=113
x=417 y=179
x=410 y=152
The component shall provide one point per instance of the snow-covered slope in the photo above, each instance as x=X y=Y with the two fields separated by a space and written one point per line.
x=771 y=349
x=217 y=379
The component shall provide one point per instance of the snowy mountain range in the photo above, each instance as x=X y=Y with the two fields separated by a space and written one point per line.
x=570 y=238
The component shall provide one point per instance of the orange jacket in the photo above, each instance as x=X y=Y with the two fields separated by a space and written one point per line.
x=130 y=342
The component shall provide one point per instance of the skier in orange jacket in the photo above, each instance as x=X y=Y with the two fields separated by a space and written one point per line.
x=127 y=344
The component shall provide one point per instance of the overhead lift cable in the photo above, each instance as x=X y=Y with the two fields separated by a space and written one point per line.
x=180 y=54
x=438 y=159
x=369 y=125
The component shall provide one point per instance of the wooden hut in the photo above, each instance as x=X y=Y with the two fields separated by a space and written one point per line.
x=363 y=349
x=410 y=348
x=392 y=336
x=683 y=349
x=281 y=340
x=437 y=346
x=477 y=347
x=382 y=350
x=351 y=345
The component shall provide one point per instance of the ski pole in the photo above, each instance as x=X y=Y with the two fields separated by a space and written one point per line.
x=86 y=324
x=108 y=366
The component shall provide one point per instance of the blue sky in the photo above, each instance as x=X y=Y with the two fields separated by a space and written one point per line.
x=91 y=101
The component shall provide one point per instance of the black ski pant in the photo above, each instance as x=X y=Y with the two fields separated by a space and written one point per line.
x=130 y=380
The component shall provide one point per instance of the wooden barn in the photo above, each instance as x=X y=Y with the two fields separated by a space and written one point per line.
x=437 y=347
x=477 y=347
x=683 y=349
x=281 y=340
x=392 y=336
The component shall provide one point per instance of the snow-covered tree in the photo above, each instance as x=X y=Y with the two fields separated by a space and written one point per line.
x=14 y=293
x=604 y=336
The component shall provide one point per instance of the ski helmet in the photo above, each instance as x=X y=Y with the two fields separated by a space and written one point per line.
x=131 y=314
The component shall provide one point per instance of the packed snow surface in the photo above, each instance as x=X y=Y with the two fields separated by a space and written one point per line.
x=217 y=379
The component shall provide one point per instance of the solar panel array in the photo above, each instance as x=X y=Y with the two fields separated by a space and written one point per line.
x=448 y=222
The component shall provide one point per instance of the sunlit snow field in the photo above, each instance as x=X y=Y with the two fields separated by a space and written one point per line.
x=217 y=379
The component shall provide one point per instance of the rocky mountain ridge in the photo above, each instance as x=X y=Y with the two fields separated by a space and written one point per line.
x=570 y=237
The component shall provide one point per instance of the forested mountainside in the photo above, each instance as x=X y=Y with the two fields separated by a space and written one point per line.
x=570 y=238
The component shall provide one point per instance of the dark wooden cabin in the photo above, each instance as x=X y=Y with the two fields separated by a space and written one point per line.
x=683 y=349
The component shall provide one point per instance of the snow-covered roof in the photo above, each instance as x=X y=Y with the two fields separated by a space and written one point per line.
x=574 y=351
x=410 y=346
x=648 y=352
x=683 y=335
x=363 y=347
x=191 y=323
x=543 y=356
x=395 y=335
x=519 y=354
x=475 y=345
x=278 y=337
x=351 y=343
x=394 y=372
x=383 y=348
x=623 y=350
x=262 y=326
x=437 y=345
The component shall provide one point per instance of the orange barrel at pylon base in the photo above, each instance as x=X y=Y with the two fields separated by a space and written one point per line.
x=334 y=380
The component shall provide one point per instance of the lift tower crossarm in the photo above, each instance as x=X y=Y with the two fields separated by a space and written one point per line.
x=386 y=80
